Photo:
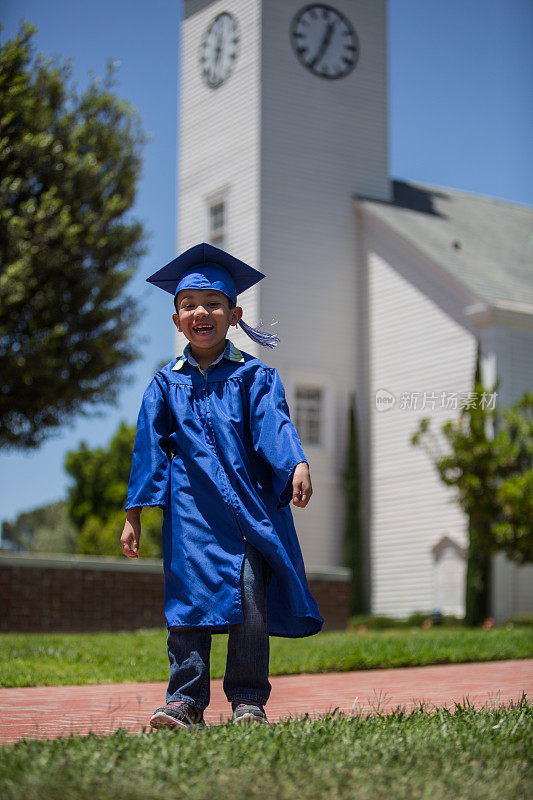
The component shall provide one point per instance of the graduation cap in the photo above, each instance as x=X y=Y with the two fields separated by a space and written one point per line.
x=207 y=267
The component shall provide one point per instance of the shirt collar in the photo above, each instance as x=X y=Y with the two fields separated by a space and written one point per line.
x=230 y=352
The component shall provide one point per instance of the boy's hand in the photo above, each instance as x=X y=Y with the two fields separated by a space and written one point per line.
x=301 y=485
x=131 y=534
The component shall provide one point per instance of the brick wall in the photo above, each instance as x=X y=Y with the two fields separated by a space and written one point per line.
x=332 y=593
x=78 y=593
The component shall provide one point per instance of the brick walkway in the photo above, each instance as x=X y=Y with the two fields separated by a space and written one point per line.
x=51 y=711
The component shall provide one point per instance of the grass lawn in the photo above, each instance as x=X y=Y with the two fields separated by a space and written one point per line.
x=414 y=755
x=40 y=659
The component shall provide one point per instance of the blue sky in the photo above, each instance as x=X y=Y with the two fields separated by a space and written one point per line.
x=460 y=116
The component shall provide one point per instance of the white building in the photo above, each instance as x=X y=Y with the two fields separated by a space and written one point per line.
x=376 y=284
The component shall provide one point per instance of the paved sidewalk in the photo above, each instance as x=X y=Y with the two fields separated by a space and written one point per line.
x=51 y=711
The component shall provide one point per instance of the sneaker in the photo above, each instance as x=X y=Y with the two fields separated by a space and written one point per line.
x=178 y=715
x=248 y=712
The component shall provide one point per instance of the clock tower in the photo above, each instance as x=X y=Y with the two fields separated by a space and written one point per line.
x=283 y=119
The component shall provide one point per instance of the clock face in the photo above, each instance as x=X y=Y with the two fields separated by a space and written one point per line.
x=325 y=41
x=219 y=49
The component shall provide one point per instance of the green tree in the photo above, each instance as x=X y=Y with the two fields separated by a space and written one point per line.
x=513 y=530
x=69 y=166
x=490 y=463
x=353 y=546
x=43 y=530
x=97 y=496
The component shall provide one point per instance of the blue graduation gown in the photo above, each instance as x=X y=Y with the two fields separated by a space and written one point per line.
x=217 y=452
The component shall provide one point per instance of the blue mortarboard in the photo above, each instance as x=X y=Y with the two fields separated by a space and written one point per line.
x=207 y=267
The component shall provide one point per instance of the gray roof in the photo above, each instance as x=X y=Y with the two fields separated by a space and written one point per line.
x=483 y=242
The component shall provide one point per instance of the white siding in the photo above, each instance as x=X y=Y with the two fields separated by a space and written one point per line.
x=415 y=347
x=321 y=142
x=219 y=142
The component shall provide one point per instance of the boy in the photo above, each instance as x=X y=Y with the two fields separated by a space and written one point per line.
x=216 y=449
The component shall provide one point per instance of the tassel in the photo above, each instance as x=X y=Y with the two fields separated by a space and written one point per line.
x=261 y=337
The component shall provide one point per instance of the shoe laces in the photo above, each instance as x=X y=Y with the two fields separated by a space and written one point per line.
x=236 y=703
x=192 y=711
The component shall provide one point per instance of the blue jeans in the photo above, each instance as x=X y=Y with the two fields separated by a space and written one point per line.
x=246 y=676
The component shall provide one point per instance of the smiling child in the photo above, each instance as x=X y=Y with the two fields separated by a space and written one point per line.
x=216 y=449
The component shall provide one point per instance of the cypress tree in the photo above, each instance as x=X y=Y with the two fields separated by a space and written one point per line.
x=480 y=519
x=352 y=541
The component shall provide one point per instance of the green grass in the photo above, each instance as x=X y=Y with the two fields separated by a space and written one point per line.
x=465 y=755
x=41 y=659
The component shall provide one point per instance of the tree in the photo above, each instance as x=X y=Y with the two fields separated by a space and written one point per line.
x=69 y=166
x=97 y=496
x=513 y=530
x=353 y=548
x=490 y=463
x=44 y=530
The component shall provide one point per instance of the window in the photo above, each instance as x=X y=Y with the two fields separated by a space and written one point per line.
x=217 y=223
x=309 y=413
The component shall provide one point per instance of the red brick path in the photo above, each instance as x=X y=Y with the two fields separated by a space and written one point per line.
x=51 y=711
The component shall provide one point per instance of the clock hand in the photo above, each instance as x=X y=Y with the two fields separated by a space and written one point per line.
x=218 y=48
x=324 y=44
x=218 y=51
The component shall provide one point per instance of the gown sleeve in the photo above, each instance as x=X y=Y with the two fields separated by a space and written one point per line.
x=150 y=465
x=274 y=436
